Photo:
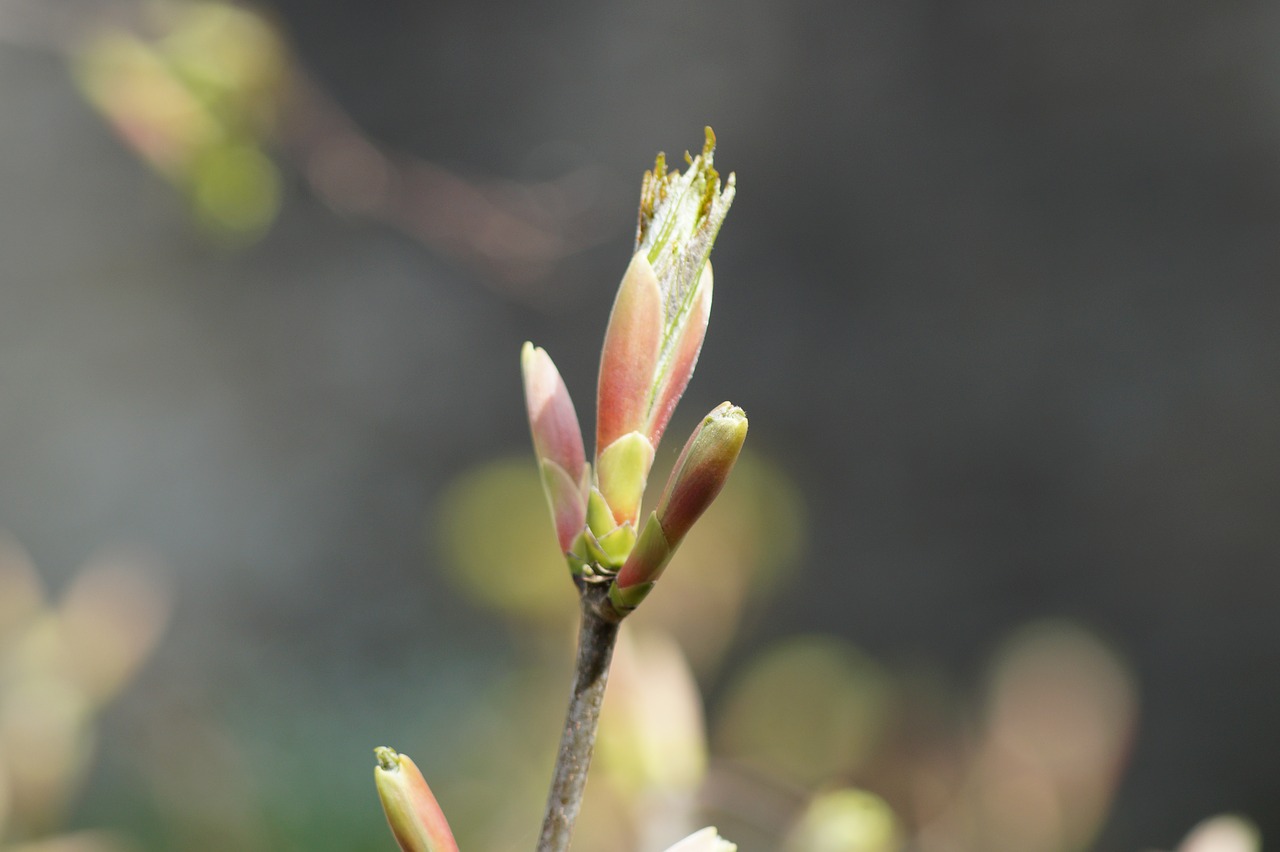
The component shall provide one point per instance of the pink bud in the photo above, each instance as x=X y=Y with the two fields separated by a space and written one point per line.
x=702 y=470
x=630 y=355
x=660 y=314
x=557 y=442
x=699 y=475
x=552 y=418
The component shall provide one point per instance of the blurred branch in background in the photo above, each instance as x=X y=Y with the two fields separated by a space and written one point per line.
x=60 y=665
x=210 y=96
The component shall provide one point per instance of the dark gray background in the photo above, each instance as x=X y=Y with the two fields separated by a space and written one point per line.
x=999 y=289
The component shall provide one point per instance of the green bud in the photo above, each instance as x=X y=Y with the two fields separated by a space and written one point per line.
x=622 y=471
x=599 y=516
x=653 y=553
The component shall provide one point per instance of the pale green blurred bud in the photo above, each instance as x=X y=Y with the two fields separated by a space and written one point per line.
x=846 y=821
x=706 y=840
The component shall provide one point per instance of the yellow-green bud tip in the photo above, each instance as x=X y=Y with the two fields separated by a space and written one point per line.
x=387 y=758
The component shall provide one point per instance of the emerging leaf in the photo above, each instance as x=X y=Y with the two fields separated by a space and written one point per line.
x=660 y=315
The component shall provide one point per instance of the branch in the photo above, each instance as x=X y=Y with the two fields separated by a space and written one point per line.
x=596 y=639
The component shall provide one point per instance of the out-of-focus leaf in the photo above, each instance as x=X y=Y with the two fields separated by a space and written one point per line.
x=748 y=542
x=498 y=548
x=807 y=711
x=235 y=189
x=198 y=101
x=112 y=616
x=652 y=734
x=20 y=593
x=1061 y=712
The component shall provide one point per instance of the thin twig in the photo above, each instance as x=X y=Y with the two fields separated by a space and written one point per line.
x=596 y=639
x=514 y=233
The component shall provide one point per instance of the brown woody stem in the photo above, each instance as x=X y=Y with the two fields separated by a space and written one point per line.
x=598 y=634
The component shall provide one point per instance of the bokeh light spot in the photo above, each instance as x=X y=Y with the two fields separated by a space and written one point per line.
x=236 y=189
x=499 y=545
x=806 y=711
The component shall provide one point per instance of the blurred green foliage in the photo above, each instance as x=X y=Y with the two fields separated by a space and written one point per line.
x=197 y=95
x=813 y=745
x=60 y=665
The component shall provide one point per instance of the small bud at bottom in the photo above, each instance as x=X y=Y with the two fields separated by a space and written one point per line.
x=412 y=812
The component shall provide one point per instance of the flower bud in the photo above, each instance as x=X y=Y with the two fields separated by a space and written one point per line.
x=557 y=442
x=632 y=342
x=412 y=812
x=655 y=333
x=702 y=470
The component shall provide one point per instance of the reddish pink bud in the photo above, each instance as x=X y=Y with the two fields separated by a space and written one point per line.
x=660 y=315
x=557 y=442
x=552 y=418
x=630 y=355
x=699 y=475
x=702 y=470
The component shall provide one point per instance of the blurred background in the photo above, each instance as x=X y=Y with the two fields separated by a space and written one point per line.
x=999 y=570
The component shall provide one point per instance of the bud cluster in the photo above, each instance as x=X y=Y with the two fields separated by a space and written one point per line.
x=651 y=345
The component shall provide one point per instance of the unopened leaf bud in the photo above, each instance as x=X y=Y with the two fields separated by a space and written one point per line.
x=699 y=475
x=412 y=812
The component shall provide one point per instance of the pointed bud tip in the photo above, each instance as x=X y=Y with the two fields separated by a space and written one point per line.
x=727 y=410
x=532 y=356
x=702 y=469
x=553 y=420
x=387 y=758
